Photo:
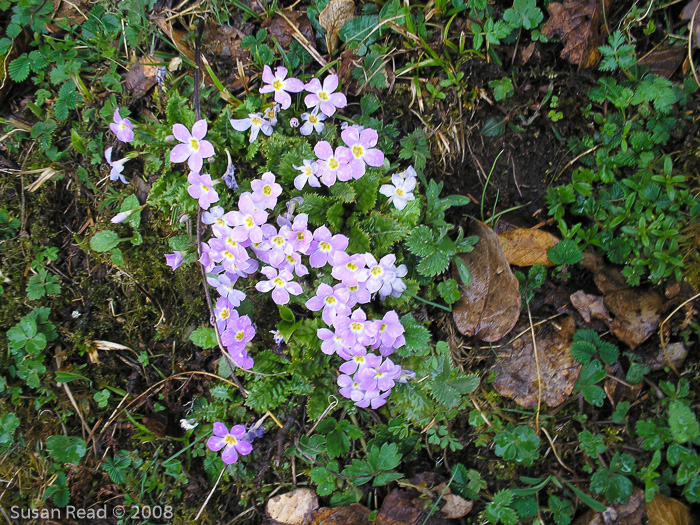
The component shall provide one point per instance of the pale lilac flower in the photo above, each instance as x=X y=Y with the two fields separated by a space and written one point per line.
x=280 y=85
x=276 y=245
x=240 y=357
x=381 y=377
x=312 y=122
x=281 y=284
x=355 y=329
x=213 y=215
x=358 y=294
x=248 y=219
x=373 y=399
x=292 y=262
x=122 y=127
x=224 y=286
x=239 y=331
x=323 y=97
x=232 y=442
x=324 y=246
x=202 y=188
x=188 y=424
x=119 y=217
x=350 y=389
x=117 y=166
x=408 y=173
x=360 y=362
x=400 y=191
x=333 y=302
x=193 y=148
x=308 y=174
x=266 y=190
x=222 y=313
x=389 y=333
x=350 y=269
x=277 y=336
x=395 y=286
x=174 y=260
x=229 y=247
x=333 y=165
x=361 y=148
x=270 y=114
x=255 y=123
x=332 y=345
x=406 y=376
x=299 y=236
x=205 y=259
x=294 y=122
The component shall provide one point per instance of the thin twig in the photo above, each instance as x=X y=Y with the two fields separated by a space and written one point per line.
x=554 y=449
x=661 y=332
x=210 y=494
x=539 y=375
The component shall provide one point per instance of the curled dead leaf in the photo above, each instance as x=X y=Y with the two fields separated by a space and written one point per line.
x=333 y=17
x=526 y=247
x=664 y=61
x=663 y=510
x=691 y=12
x=590 y=306
x=284 y=32
x=354 y=514
x=293 y=508
x=637 y=314
x=490 y=306
x=558 y=371
x=403 y=507
x=142 y=76
x=580 y=24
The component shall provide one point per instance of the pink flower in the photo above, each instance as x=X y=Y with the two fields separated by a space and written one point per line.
x=361 y=148
x=333 y=302
x=400 y=191
x=266 y=190
x=308 y=174
x=279 y=84
x=281 y=285
x=173 y=259
x=239 y=332
x=122 y=127
x=312 y=122
x=333 y=165
x=248 y=220
x=193 y=148
x=232 y=442
x=324 y=246
x=201 y=188
x=323 y=97
x=255 y=123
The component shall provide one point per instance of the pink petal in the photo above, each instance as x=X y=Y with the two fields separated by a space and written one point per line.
x=264 y=286
x=283 y=99
x=181 y=133
x=195 y=162
x=374 y=158
x=267 y=88
x=206 y=150
x=230 y=455
x=323 y=150
x=328 y=108
x=369 y=138
x=314 y=86
x=293 y=85
x=180 y=153
x=330 y=84
x=280 y=296
x=238 y=431
x=116 y=117
x=244 y=448
x=294 y=288
x=281 y=73
x=267 y=76
x=216 y=443
x=315 y=303
x=199 y=130
x=338 y=100
x=350 y=136
x=220 y=429
x=241 y=124
x=311 y=100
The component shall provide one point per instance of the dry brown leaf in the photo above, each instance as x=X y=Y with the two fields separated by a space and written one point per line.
x=400 y=507
x=580 y=24
x=606 y=278
x=142 y=76
x=526 y=247
x=590 y=306
x=667 y=511
x=631 y=513
x=664 y=61
x=490 y=306
x=354 y=514
x=333 y=17
x=294 y=508
x=637 y=314
x=517 y=369
x=284 y=33
x=690 y=12
x=677 y=352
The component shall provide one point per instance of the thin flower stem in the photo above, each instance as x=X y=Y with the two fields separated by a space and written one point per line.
x=210 y=494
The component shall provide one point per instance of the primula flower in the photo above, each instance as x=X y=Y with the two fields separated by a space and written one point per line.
x=360 y=145
x=324 y=246
x=248 y=220
x=355 y=329
x=308 y=171
x=323 y=97
x=119 y=217
x=360 y=362
x=381 y=377
x=222 y=313
x=266 y=190
x=293 y=263
x=224 y=286
x=229 y=177
x=205 y=259
x=281 y=284
x=256 y=124
x=193 y=148
x=312 y=122
x=213 y=215
x=358 y=294
x=333 y=302
x=299 y=236
x=400 y=191
x=332 y=344
x=389 y=333
x=232 y=442
x=122 y=127
x=350 y=269
x=333 y=165
x=240 y=358
x=350 y=389
x=174 y=260
x=280 y=85
x=239 y=331
x=202 y=188
x=117 y=166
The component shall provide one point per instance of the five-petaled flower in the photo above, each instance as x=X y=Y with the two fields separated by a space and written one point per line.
x=201 y=187
x=255 y=123
x=117 y=166
x=193 y=148
x=360 y=145
x=323 y=96
x=122 y=127
x=281 y=284
x=400 y=191
x=231 y=441
x=312 y=122
x=280 y=85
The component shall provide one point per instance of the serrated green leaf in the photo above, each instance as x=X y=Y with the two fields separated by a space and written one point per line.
x=366 y=189
x=447 y=385
x=359 y=240
x=434 y=264
x=384 y=231
x=204 y=337
x=417 y=337
x=359 y=471
x=421 y=241
x=19 y=68
x=104 y=241
x=316 y=207
x=684 y=425
x=334 y=216
x=565 y=252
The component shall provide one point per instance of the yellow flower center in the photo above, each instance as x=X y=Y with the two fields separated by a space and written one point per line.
x=255 y=121
x=400 y=192
x=224 y=314
x=326 y=247
x=330 y=300
x=249 y=222
x=228 y=254
x=231 y=242
x=194 y=144
x=300 y=236
x=358 y=151
x=307 y=171
x=122 y=126
x=220 y=222
x=277 y=84
x=203 y=187
x=382 y=328
x=240 y=335
x=379 y=375
x=230 y=440
x=377 y=270
x=278 y=240
x=351 y=266
x=333 y=164
x=313 y=119
x=356 y=327
x=267 y=189
x=323 y=95
x=278 y=281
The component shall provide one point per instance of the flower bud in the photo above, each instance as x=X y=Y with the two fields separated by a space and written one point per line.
x=120 y=217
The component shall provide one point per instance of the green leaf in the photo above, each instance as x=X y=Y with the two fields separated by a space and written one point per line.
x=434 y=264
x=334 y=216
x=19 y=68
x=417 y=337
x=67 y=377
x=519 y=444
x=493 y=127
x=683 y=423
x=66 y=449
x=565 y=252
x=463 y=270
x=384 y=230
x=204 y=337
x=360 y=471
x=499 y=511
x=449 y=291
x=104 y=241
x=591 y=373
x=8 y=424
x=369 y=104
x=324 y=480
x=615 y=487
x=316 y=206
x=337 y=443
x=359 y=240
x=367 y=189
x=585 y=498
x=421 y=241
x=360 y=30
x=591 y=444
x=448 y=385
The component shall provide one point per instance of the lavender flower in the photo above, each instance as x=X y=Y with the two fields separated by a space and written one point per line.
x=122 y=127
x=202 y=188
x=117 y=166
x=280 y=85
x=232 y=442
x=361 y=148
x=281 y=284
x=323 y=97
x=308 y=171
x=312 y=122
x=174 y=260
x=324 y=246
x=239 y=331
x=400 y=191
x=333 y=165
x=333 y=302
x=266 y=190
x=255 y=123
x=193 y=148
